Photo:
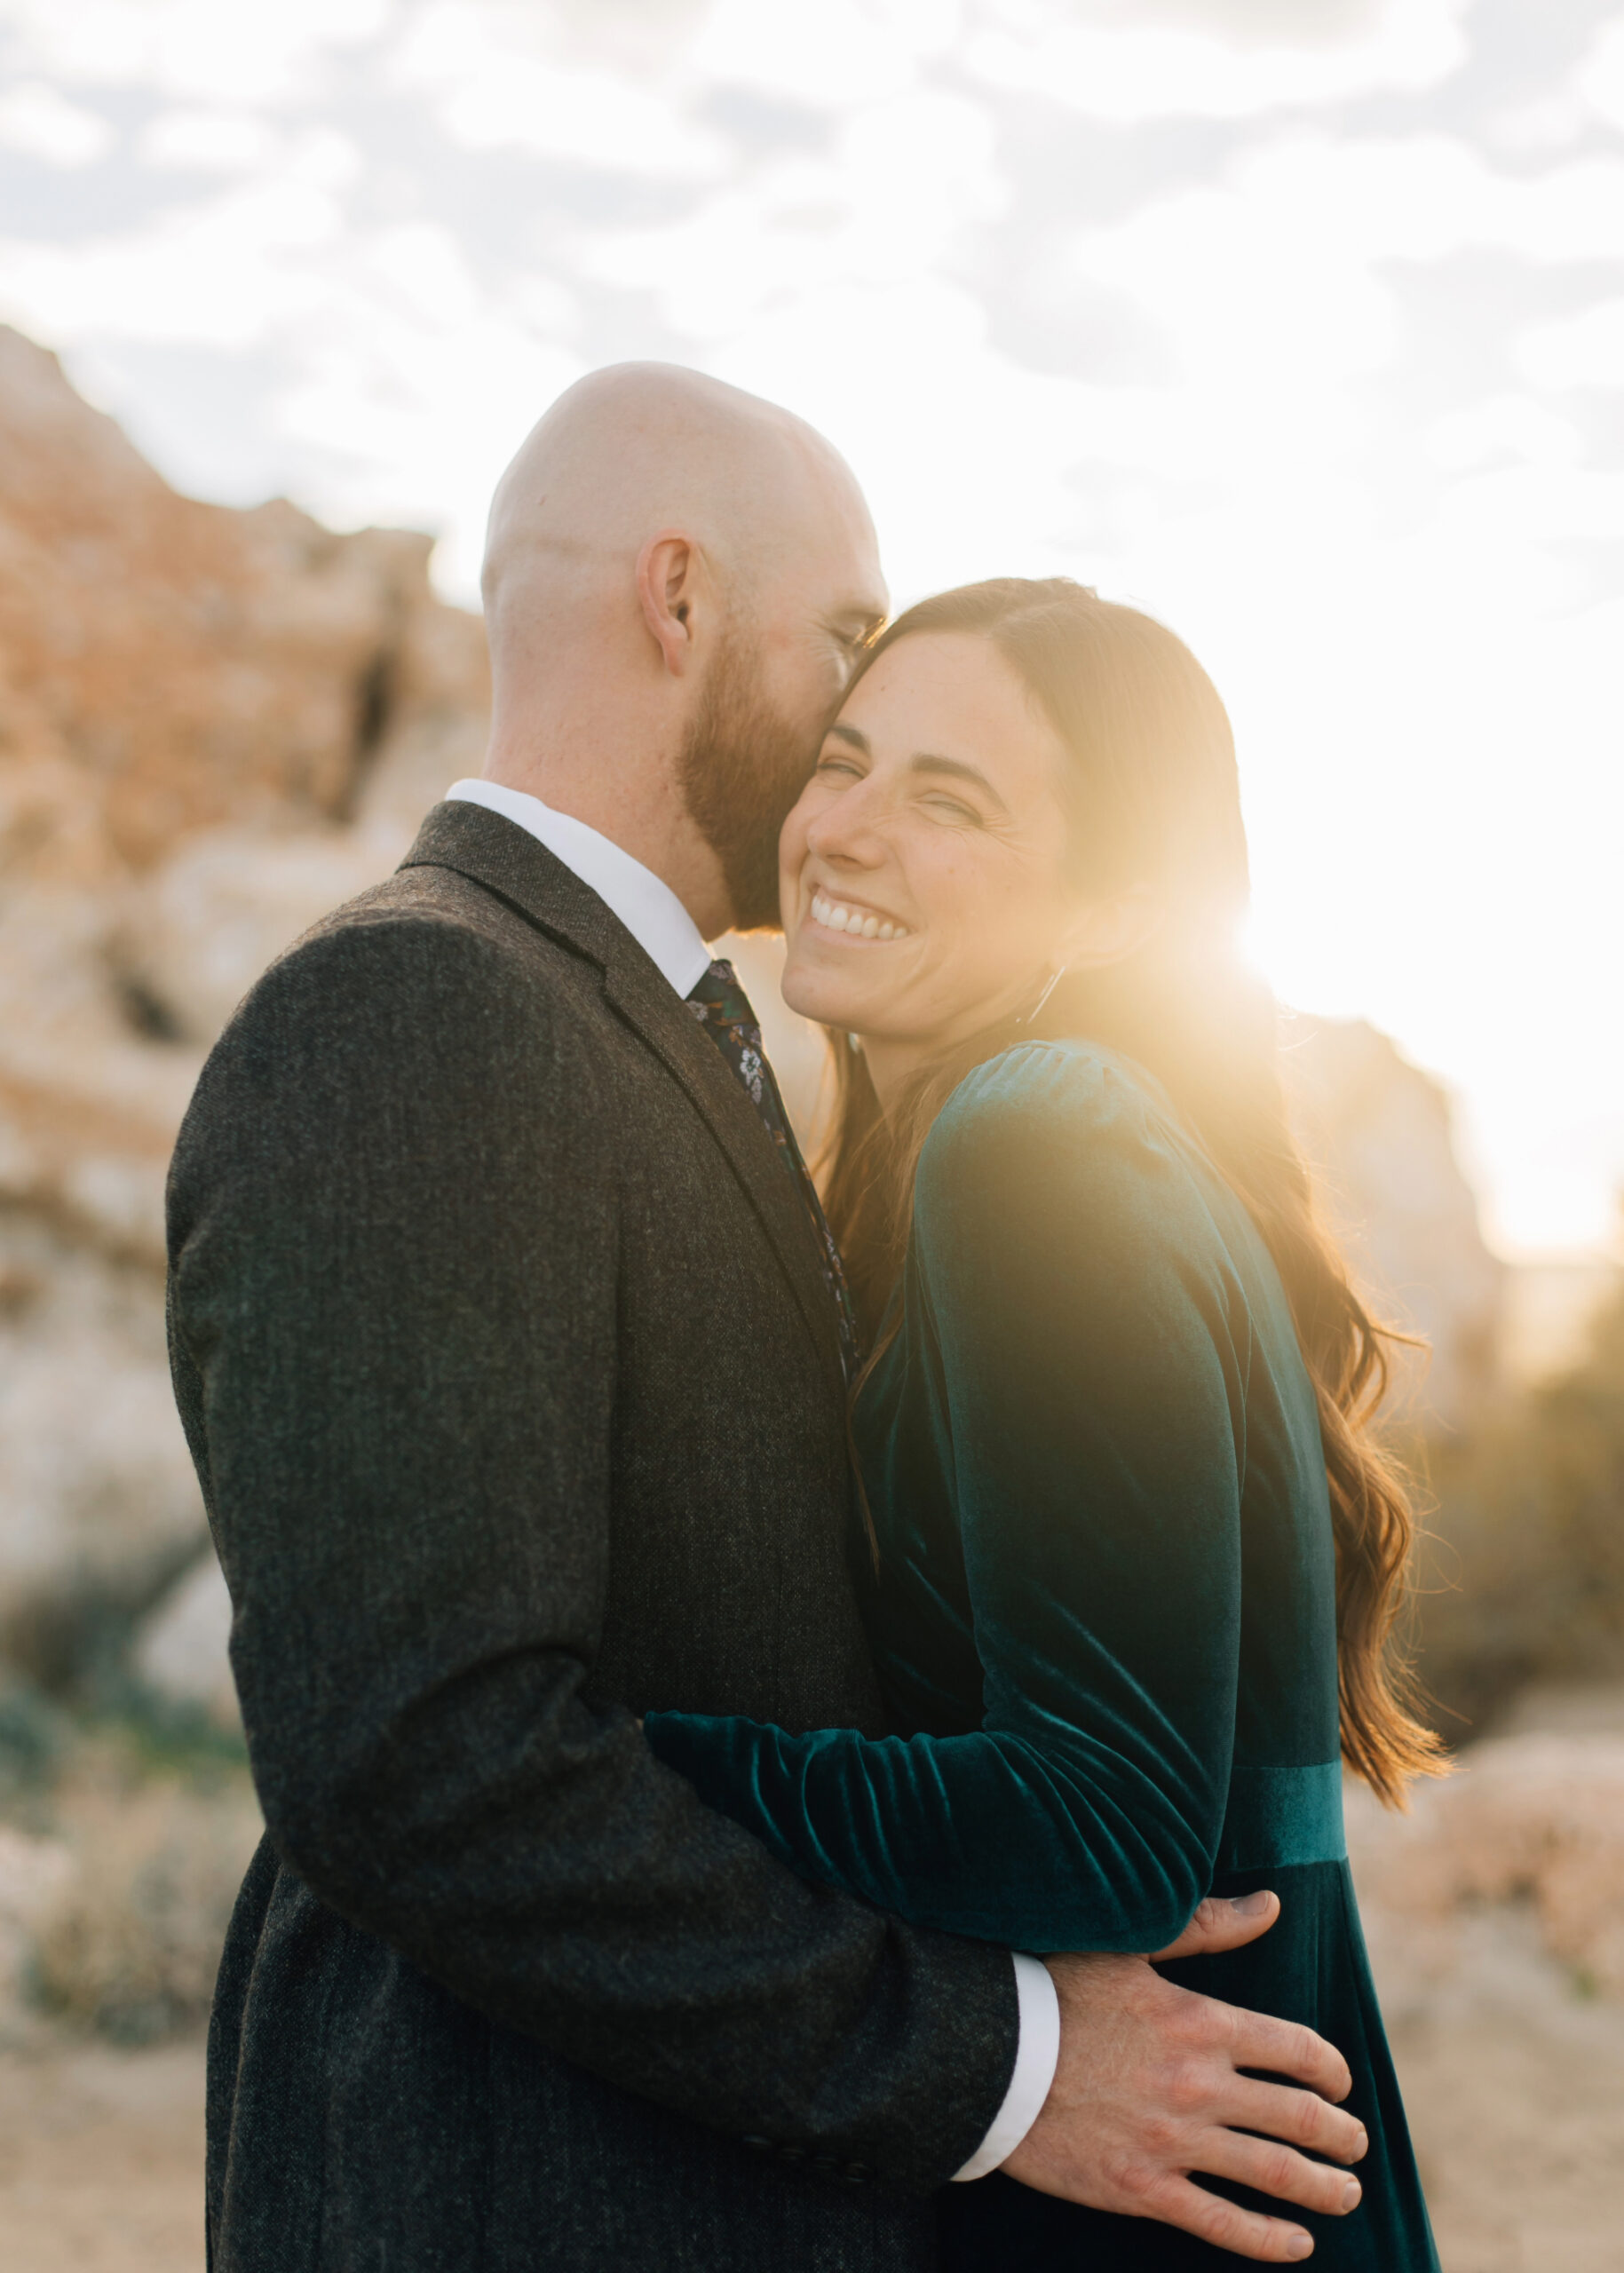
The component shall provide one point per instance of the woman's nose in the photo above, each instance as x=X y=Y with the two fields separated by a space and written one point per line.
x=846 y=832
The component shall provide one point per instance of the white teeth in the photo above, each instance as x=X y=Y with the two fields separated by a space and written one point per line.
x=856 y=925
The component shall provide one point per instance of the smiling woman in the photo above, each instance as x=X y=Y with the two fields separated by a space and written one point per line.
x=934 y=822
x=1133 y=1556
x=1040 y=786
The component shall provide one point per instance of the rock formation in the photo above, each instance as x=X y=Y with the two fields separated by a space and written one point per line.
x=213 y=725
x=1379 y=1133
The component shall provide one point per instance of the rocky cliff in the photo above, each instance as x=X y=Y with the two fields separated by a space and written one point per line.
x=1380 y=1134
x=213 y=725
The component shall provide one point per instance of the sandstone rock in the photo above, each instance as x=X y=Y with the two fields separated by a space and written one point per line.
x=214 y=725
x=168 y=667
x=227 y=904
x=100 y=1498
x=1379 y=1130
x=180 y=1649
x=183 y=665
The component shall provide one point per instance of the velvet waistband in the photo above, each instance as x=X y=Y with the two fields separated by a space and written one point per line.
x=1278 y=1816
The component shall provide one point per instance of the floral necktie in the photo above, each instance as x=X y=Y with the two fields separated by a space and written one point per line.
x=723 y=1009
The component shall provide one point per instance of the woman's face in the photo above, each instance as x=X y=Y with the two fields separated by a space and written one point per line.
x=921 y=871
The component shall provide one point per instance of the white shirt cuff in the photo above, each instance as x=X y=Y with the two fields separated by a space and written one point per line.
x=1037 y=2055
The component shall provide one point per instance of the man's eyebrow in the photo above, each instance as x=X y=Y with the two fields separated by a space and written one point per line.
x=850 y=734
x=926 y=761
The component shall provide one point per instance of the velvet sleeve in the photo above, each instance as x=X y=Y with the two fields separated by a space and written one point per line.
x=1075 y=1347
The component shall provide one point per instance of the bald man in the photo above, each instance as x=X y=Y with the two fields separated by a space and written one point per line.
x=511 y=1352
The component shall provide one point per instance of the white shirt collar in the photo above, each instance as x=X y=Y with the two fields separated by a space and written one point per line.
x=647 y=907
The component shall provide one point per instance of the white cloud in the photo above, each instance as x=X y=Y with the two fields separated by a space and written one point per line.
x=227 y=274
x=503 y=82
x=39 y=122
x=208 y=50
x=1600 y=81
x=208 y=141
x=423 y=264
x=1534 y=129
x=420 y=419
x=902 y=182
x=1323 y=206
x=839 y=54
x=1126 y=73
x=962 y=452
x=413 y=384
x=1582 y=350
x=1500 y=427
x=1274 y=284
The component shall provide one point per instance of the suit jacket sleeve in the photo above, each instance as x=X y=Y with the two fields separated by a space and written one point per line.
x=393 y=1316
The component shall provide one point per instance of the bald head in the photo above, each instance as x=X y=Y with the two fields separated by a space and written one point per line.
x=642 y=448
x=678 y=577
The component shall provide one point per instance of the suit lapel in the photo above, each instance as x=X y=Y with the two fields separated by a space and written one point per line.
x=496 y=853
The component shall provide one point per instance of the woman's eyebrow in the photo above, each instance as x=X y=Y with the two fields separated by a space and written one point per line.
x=926 y=761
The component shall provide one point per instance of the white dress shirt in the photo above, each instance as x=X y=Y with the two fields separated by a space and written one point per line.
x=667 y=934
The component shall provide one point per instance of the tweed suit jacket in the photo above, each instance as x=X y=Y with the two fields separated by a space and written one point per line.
x=511 y=1379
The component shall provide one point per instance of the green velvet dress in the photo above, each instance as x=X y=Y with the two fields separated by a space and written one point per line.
x=1104 y=1615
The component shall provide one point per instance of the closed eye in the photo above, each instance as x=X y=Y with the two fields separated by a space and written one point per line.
x=954 y=810
x=845 y=751
x=928 y=765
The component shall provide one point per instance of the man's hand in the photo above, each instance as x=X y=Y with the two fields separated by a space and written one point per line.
x=1148 y=2089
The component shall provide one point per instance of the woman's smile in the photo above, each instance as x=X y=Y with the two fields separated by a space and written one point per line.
x=853 y=919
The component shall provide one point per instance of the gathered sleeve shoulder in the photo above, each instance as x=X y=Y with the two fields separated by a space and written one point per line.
x=1076 y=1347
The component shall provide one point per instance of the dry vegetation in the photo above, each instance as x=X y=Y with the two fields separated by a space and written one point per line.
x=1526 y=1576
x=118 y=1870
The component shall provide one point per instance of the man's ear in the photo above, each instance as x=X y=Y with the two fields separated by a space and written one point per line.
x=1111 y=928
x=670 y=572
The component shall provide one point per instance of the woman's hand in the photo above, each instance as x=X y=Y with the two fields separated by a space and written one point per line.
x=1221 y=1924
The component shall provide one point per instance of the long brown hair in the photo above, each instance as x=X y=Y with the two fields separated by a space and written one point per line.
x=1153 y=798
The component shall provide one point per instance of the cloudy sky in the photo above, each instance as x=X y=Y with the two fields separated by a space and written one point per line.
x=1299 y=321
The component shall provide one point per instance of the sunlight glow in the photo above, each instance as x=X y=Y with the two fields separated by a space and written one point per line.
x=1268 y=319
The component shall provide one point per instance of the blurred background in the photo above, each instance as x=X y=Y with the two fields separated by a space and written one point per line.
x=1299 y=322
